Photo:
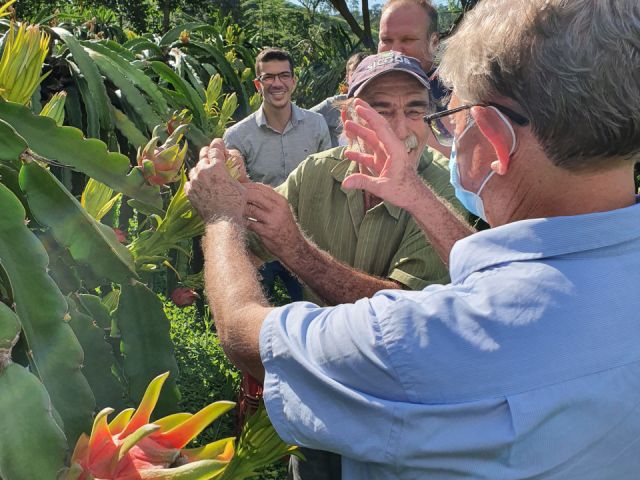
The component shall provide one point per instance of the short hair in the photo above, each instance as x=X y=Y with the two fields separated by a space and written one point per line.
x=272 y=53
x=571 y=65
x=354 y=61
x=426 y=5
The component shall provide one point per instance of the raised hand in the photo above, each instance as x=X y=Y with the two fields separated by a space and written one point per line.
x=397 y=180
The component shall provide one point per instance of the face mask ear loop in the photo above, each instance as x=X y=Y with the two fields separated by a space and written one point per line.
x=513 y=147
x=508 y=124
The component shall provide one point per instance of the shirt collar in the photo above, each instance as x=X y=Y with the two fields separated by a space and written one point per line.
x=261 y=118
x=296 y=115
x=543 y=238
x=345 y=168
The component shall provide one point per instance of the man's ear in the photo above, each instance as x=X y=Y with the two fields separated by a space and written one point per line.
x=343 y=115
x=434 y=41
x=498 y=133
x=257 y=84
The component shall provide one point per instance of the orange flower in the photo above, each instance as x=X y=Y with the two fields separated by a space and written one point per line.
x=131 y=448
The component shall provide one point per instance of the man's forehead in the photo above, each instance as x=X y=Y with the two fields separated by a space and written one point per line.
x=274 y=66
x=400 y=18
x=394 y=83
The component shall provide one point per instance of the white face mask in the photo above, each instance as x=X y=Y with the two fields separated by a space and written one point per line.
x=472 y=200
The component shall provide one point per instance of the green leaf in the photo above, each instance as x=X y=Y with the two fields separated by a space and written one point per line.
x=120 y=50
x=11 y=145
x=129 y=92
x=62 y=268
x=187 y=91
x=91 y=109
x=140 y=44
x=146 y=345
x=133 y=74
x=89 y=242
x=174 y=34
x=127 y=128
x=33 y=446
x=229 y=74
x=98 y=360
x=98 y=199
x=55 y=355
x=9 y=331
x=93 y=306
x=97 y=91
x=67 y=146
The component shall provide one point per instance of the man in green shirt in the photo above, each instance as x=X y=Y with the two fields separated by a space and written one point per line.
x=348 y=244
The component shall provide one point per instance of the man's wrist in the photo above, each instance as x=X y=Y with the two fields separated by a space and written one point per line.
x=295 y=255
x=223 y=218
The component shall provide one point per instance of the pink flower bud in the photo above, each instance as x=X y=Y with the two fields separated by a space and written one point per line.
x=184 y=297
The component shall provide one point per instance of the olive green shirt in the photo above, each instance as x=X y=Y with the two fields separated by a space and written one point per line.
x=384 y=241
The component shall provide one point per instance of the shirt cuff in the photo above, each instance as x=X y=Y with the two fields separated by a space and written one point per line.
x=408 y=280
x=273 y=399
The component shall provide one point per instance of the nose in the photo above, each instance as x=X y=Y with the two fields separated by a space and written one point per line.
x=400 y=126
x=277 y=81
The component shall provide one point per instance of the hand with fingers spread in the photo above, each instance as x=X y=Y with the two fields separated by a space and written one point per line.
x=397 y=180
x=211 y=190
x=269 y=215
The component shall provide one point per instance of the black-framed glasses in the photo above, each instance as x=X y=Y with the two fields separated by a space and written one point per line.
x=269 y=78
x=442 y=127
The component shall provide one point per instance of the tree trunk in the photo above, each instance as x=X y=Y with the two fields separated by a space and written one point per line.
x=364 y=34
x=366 y=23
x=166 y=12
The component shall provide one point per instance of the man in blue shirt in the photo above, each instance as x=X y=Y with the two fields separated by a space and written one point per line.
x=527 y=364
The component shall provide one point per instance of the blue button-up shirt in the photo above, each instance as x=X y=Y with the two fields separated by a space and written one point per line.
x=526 y=366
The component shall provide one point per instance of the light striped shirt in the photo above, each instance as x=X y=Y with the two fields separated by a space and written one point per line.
x=270 y=156
x=384 y=241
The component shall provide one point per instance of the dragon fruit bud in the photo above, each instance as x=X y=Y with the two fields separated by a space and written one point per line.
x=120 y=235
x=184 y=297
x=177 y=119
x=161 y=164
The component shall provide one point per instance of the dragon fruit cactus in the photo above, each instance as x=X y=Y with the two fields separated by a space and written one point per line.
x=161 y=164
x=130 y=447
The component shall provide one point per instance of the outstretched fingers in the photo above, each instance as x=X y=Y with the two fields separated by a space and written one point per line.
x=360 y=181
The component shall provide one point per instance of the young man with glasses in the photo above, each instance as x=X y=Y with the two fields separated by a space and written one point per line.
x=279 y=135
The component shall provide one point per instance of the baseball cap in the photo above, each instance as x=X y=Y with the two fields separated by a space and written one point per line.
x=374 y=66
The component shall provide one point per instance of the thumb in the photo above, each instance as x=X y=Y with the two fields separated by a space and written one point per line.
x=362 y=182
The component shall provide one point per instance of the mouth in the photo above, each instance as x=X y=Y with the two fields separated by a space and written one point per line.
x=278 y=93
x=411 y=144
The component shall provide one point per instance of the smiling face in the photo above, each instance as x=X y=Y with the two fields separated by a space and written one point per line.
x=405 y=28
x=276 y=92
x=402 y=101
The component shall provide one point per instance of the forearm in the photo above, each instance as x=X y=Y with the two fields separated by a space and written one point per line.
x=235 y=296
x=442 y=225
x=333 y=281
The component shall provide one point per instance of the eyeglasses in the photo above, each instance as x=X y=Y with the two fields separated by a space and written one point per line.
x=443 y=127
x=269 y=78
